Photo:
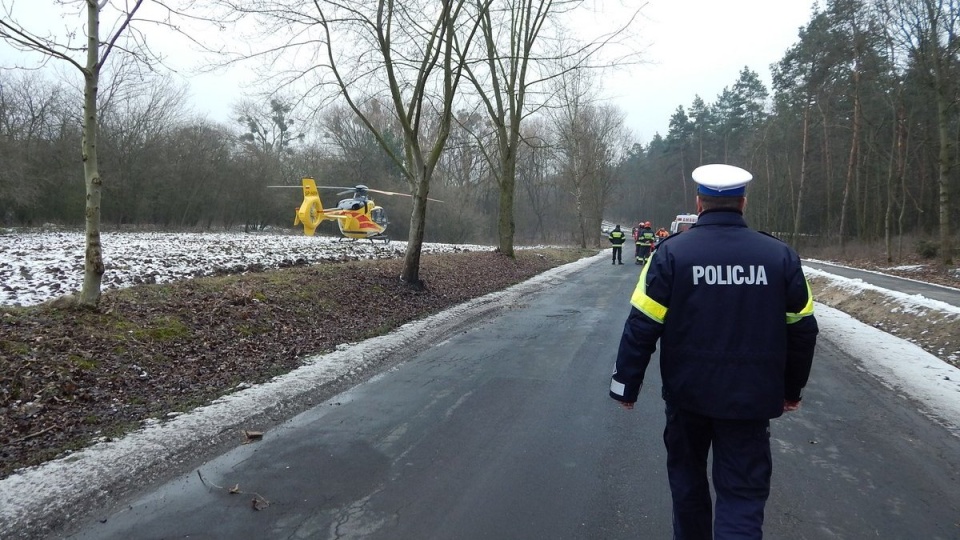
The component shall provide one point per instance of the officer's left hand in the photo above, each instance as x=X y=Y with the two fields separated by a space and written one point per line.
x=789 y=406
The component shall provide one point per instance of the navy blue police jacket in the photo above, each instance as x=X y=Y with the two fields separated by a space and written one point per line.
x=733 y=313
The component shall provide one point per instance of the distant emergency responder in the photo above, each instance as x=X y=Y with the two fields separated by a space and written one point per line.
x=617 y=238
x=661 y=234
x=733 y=312
x=644 y=242
x=636 y=230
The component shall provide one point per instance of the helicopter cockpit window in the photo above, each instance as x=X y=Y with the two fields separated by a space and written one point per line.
x=350 y=204
x=379 y=216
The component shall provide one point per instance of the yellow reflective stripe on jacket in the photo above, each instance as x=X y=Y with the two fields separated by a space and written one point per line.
x=807 y=309
x=650 y=307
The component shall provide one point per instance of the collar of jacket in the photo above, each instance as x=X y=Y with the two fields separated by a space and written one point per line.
x=720 y=217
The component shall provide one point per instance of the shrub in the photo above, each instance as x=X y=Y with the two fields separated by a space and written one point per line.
x=927 y=249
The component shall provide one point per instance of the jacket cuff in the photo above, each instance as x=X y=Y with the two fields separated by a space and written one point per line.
x=626 y=393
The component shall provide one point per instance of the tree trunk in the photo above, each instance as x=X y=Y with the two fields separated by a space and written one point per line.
x=803 y=174
x=828 y=166
x=892 y=169
x=506 y=225
x=902 y=176
x=945 y=164
x=418 y=220
x=411 y=258
x=93 y=267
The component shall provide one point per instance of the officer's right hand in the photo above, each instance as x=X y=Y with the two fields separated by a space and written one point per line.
x=627 y=406
x=790 y=405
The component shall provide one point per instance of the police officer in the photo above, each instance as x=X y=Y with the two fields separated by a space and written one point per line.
x=734 y=316
x=617 y=238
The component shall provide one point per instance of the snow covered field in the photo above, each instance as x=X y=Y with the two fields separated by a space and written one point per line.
x=36 y=267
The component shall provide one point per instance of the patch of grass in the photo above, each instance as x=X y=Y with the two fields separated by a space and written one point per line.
x=14 y=347
x=167 y=328
x=250 y=330
x=81 y=362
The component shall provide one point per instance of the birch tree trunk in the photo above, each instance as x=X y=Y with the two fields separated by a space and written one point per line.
x=93 y=267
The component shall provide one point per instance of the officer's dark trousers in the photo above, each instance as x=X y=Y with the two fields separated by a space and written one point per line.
x=741 y=475
x=618 y=254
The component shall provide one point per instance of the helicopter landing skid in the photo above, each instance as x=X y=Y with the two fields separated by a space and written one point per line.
x=385 y=239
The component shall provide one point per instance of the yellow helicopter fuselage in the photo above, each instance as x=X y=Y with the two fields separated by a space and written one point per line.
x=358 y=217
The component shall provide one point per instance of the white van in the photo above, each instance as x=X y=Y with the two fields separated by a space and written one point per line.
x=682 y=222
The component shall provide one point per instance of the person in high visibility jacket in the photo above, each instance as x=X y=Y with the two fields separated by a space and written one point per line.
x=617 y=238
x=733 y=313
x=644 y=242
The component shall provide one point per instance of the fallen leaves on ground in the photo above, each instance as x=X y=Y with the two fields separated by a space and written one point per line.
x=72 y=377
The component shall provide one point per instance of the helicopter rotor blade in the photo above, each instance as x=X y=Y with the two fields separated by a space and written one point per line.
x=360 y=189
x=400 y=194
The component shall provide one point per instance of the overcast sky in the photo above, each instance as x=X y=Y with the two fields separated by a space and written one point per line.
x=691 y=47
x=699 y=47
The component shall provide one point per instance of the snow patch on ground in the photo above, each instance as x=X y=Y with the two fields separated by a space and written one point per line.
x=902 y=366
x=39 y=266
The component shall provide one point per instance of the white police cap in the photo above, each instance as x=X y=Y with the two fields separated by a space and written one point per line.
x=721 y=180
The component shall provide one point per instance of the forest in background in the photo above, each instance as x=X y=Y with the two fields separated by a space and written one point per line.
x=856 y=140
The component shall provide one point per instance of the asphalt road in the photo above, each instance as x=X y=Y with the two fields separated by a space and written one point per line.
x=504 y=431
x=907 y=286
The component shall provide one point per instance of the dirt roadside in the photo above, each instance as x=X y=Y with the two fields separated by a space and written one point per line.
x=936 y=332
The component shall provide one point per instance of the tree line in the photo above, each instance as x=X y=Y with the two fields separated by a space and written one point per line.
x=167 y=166
x=856 y=139
x=490 y=107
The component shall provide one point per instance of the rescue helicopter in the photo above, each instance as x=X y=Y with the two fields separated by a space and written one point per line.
x=357 y=216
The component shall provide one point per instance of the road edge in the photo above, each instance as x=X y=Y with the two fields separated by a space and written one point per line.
x=38 y=501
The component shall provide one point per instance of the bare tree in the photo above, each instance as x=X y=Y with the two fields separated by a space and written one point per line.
x=514 y=62
x=30 y=114
x=361 y=158
x=409 y=55
x=90 y=59
x=466 y=175
x=590 y=142
x=132 y=126
x=533 y=178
